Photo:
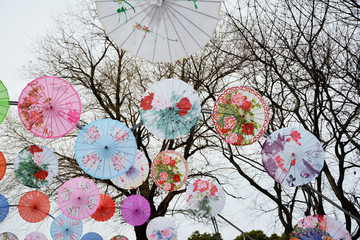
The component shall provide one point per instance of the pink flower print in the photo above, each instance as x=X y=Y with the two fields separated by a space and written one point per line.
x=38 y=158
x=91 y=161
x=238 y=99
x=190 y=197
x=166 y=233
x=167 y=186
x=60 y=222
x=34 y=116
x=120 y=135
x=73 y=116
x=92 y=134
x=200 y=185
x=213 y=190
x=310 y=222
x=68 y=105
x=59 y=236
x=166 y=159
x=73 y=210
x=231 y=138
x=74 y=223
x=66 y=194
x=73 y=236
x=163 y=176
x=280 y=162
x=84 y=186
x=295 y=135
x=229 y=122
x=91 y=203
x=152 y=236
x=117 y=162
x=156 y=161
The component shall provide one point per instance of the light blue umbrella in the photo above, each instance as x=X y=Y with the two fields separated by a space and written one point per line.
x=4 y=207
x=91 y=236
x=66 y=228
x=105 y=148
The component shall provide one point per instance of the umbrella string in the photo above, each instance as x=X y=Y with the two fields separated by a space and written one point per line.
x=216 y=228
x=14 y=103
x=51 y=216
x=13 y=205
x=236 y=227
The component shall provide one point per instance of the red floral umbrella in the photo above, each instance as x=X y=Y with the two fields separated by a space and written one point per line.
x=105 y=210
x=2 y=165
x=34 y=206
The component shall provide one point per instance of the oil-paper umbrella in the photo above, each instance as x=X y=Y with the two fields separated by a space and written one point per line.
x=136 y=175
x=161 y=228
x=49 y=107
x=135 y=210
x=159 y=30
x=170 y=108
x=36 y=166
x=319 y=226
x=105 y=210
x=4 y=101
x=91 y=236
x=240 y=116
x=64 y=228
x=105 y=148
x=169 y=170
x=205 y=197
x=8 y=236
x=119 y=237
x=4 y=207
x=292 y=156
x=36 y=236
x=2 y=165
x=34 y=206
x=78 y=198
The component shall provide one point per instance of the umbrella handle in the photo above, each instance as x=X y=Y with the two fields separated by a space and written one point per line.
x=14 y=103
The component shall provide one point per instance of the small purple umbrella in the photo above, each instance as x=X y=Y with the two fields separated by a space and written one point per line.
x=135 y=210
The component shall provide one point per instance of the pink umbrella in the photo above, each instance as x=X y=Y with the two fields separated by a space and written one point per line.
x=78 y=198
x=135 y=210
x=49 y=107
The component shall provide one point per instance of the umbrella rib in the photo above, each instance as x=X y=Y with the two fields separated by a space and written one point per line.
x=197 y=12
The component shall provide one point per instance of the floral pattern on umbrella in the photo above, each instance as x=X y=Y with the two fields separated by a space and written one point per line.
x=4 y=101
x=119 y=237
x=64 y=228
x=36 y=166
x=8 y=236
x=36 y=236
x=205 y=197
x=169 y=170
x=161 y=228
x=170 y=108
x=78 y=198
x=49 y=107
x=240 y=116
x=292 y=156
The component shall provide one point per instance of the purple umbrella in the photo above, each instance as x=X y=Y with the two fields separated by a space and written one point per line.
x=135 y=210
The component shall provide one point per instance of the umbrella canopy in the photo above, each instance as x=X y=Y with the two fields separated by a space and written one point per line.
x=36 y=166
x=161 y=228
x=4 y=207
x=119 y=237
x=135 y=210
x=36 y=236
x=91 y=236
x=105 y=148
x=8 y=236
x=240 y=116
x=34 y=206
x=136 y=175
x=317 y=226
x=292 y=156
x=169 y=170
x=170 y=108
x=78 y=198
x=105 y=210
x=2 y=165
x=49 y=107
x=64 y=228
x=4 y=101
x=159 y=30
x=205 y=197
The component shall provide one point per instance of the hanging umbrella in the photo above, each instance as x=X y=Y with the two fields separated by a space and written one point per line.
x=105 y=148
x=170 y=108
x=78 y=198
x=119 y=237
x=136 y=175
x=34 y=206
x=105 y=210
x=4 y=207
x=36 y=166
x=8 y=236
x=2 y=165
x=240 y=116
x=161 y=228
x=317 y=226
x=159 y=30
x=64 y=228
x=91 y=236
x=36 y=236
x=169 y=170
x=292 y=156
x=49 y=107
x=205 y=197
x=4 y=101
x=135 y=210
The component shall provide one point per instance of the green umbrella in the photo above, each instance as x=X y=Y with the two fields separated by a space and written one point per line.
x=4 y=101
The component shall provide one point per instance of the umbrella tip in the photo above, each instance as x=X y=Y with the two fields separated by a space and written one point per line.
x=106 y=147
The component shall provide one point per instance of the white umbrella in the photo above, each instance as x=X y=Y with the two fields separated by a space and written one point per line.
x=161 y=228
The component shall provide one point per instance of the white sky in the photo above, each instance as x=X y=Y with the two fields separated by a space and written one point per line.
x=20 y=22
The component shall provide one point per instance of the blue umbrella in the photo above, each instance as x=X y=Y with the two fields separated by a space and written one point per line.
x=91 y=236
x=105 y=148
x=4 y=207
x=66 y=228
